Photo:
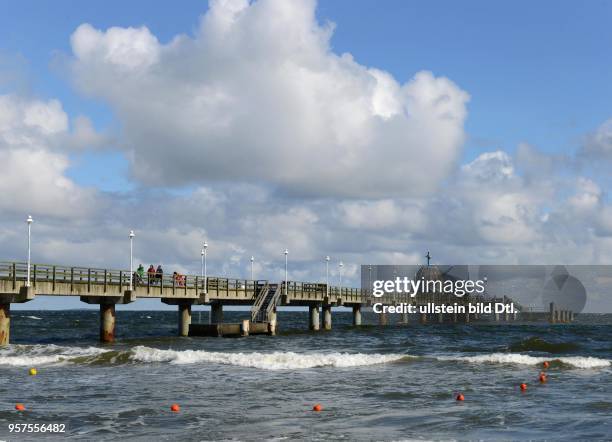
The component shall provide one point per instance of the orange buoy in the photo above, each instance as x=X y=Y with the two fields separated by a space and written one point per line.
x=460 y=397
x=523 y=387
x=19 y=407
x=317 y=407
x=543 y=378
x=545 y=364
x=175 y=407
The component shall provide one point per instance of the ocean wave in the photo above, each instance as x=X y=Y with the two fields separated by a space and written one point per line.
x=266 y=361
x=32 y=317
x=521 y=359
x=37 y=355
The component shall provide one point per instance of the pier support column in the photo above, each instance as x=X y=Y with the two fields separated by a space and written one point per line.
x=5 y=324
x=272 y=325
x=327 y=317
x=552 y=313
x=467 y=318
x=216 y=313
x=423 y=318
x=440 y=318
x=313 y=317
x=184 y=319
x=405 y=319
x=357 y=314
x=383 y=319
x=107 y=323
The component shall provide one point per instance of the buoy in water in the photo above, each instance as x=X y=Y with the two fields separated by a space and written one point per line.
x=33 y=372
x=19 y=407
x=460 y=397
x=317 y=407
x=175 y=407
x=523 y=387
x=545 y=364
x=543 y=378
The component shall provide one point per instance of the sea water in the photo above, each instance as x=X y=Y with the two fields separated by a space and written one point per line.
x=375 y=383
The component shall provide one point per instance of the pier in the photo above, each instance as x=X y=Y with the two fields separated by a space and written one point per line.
x=107 y=288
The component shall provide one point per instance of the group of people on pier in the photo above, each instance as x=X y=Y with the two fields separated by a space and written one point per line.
x=155 y=276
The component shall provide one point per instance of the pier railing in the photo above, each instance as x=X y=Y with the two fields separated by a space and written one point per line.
x=15 y=274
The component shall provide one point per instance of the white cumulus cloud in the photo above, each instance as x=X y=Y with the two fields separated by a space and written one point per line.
x=258 y=95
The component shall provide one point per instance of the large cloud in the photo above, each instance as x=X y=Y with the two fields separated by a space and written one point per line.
x=258 y=95
x=33 y=178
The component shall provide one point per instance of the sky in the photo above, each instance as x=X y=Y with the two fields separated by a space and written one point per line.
x=367 y=131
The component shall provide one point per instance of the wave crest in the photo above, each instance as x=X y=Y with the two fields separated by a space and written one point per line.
x=266 y=361
x=521 y=359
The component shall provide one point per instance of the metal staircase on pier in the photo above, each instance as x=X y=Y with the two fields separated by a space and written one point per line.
x=265 y=302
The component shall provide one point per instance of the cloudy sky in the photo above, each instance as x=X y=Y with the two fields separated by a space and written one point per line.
x=367 y=131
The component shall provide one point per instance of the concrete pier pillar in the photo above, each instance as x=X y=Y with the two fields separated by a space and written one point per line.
x=107 y=322
x=272 y=326
x=552 y=312
x=357 y=314
x=313 y=317
x=467 y=318
x=216 y=313
x=405 y=318
x=184 y=319
x=245 y=326
x=5 y=324
x=440 y=318
x=455 y=319
x=327 y=317
x=423 y=318
x=383 y=319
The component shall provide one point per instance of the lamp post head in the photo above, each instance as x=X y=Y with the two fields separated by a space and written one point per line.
x=132 y=235
x=205 y=245
x=29 y=220
x=286 y=252
x=327 y=258
x=202 y=252
x=341 y=264
x=252 y=258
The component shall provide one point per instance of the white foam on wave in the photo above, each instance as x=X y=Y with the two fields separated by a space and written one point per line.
x=521 y=359
x=266 y=361
x=32 y=317
x=36 y=355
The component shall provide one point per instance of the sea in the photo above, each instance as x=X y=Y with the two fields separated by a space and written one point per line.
x=374 y=383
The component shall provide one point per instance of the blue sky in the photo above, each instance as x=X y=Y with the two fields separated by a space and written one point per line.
x=537 y=75
x=536 y=71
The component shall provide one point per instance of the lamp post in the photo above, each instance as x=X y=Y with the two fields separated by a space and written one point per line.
x=286 y=278
x=29 y=221
x=202 y=265
x=204 y=274
x=341 y=265
x=131 y=260
x=252 y=261
x=327 y=258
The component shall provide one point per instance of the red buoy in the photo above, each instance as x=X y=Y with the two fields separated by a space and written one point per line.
x=545 y=364
x=175 y=407
x=460 y=397
x=523 y=387
x=317 y=407
x=543 y=378
x=19 y=407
